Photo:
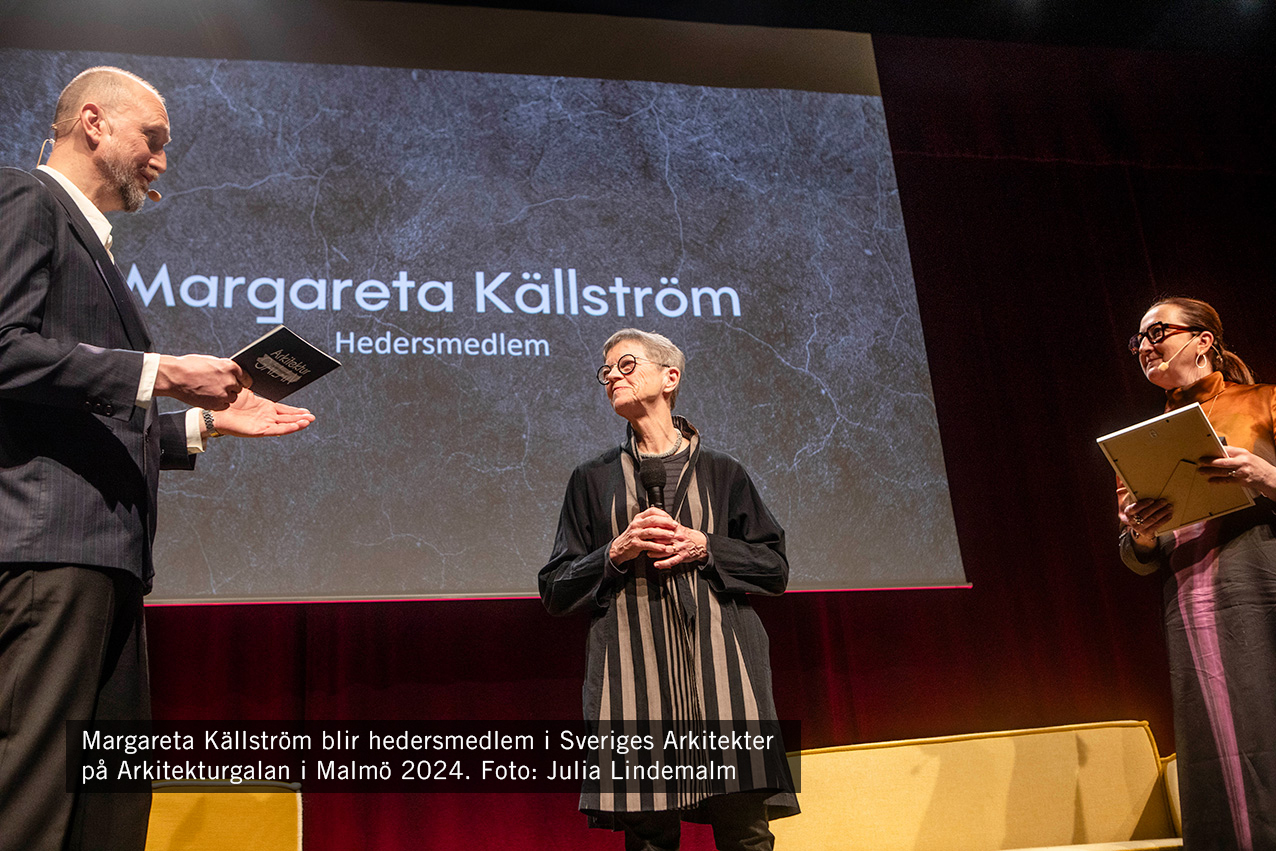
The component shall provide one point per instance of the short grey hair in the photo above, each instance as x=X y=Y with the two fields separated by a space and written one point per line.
x=658 y=348
x=109 y=85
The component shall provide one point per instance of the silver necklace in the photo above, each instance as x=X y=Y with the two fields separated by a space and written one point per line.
x=677 y=444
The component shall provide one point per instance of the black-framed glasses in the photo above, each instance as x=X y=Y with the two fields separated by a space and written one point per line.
x=625 y=364
x=1158 y=331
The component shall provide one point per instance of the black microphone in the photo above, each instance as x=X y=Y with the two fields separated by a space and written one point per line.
x=651 y=472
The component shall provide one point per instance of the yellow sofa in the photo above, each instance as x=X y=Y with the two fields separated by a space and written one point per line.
x=216 y=816
x=1084 y=786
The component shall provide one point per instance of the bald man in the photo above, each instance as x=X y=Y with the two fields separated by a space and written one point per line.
x=81 y=447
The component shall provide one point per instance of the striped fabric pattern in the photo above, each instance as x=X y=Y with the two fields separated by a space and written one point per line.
x=680 y=651
x=79 y=461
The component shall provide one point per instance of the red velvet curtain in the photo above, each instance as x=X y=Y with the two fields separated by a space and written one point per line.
x=1049 y=195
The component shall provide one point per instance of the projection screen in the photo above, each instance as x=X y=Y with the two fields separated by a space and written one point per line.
x=464 y=243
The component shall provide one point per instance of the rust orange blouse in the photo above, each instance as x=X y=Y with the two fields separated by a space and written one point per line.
x=1243 y=414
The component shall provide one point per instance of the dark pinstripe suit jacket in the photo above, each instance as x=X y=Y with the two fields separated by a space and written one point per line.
x=79 y=462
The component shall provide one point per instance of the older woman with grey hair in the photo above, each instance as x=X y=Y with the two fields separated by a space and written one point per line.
x=675 y=649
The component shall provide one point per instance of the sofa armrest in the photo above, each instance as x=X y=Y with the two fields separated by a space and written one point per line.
x=1170 y=778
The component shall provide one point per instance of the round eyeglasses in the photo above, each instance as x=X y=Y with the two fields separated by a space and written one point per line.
x=1158 y=331
x=625 y=364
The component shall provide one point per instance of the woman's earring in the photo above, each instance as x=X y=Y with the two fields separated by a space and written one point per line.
x=1201 y=361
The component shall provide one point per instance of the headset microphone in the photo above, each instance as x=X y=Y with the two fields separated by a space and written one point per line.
x=1165 y=364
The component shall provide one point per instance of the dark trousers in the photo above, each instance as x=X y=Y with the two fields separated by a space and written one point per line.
x=72 y=647
x=739 y=823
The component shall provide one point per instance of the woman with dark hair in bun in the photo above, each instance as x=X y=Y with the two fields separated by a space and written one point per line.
x=1220 y=584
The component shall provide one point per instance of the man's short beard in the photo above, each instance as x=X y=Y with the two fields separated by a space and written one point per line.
x=124 y=178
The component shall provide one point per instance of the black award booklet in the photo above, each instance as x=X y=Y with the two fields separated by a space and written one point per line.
x=280 y=363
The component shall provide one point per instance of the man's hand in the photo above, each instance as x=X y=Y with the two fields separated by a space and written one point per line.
x=252 y=416
x=200 y=381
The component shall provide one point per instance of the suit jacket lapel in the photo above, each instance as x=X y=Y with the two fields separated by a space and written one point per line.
x=130 y=315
